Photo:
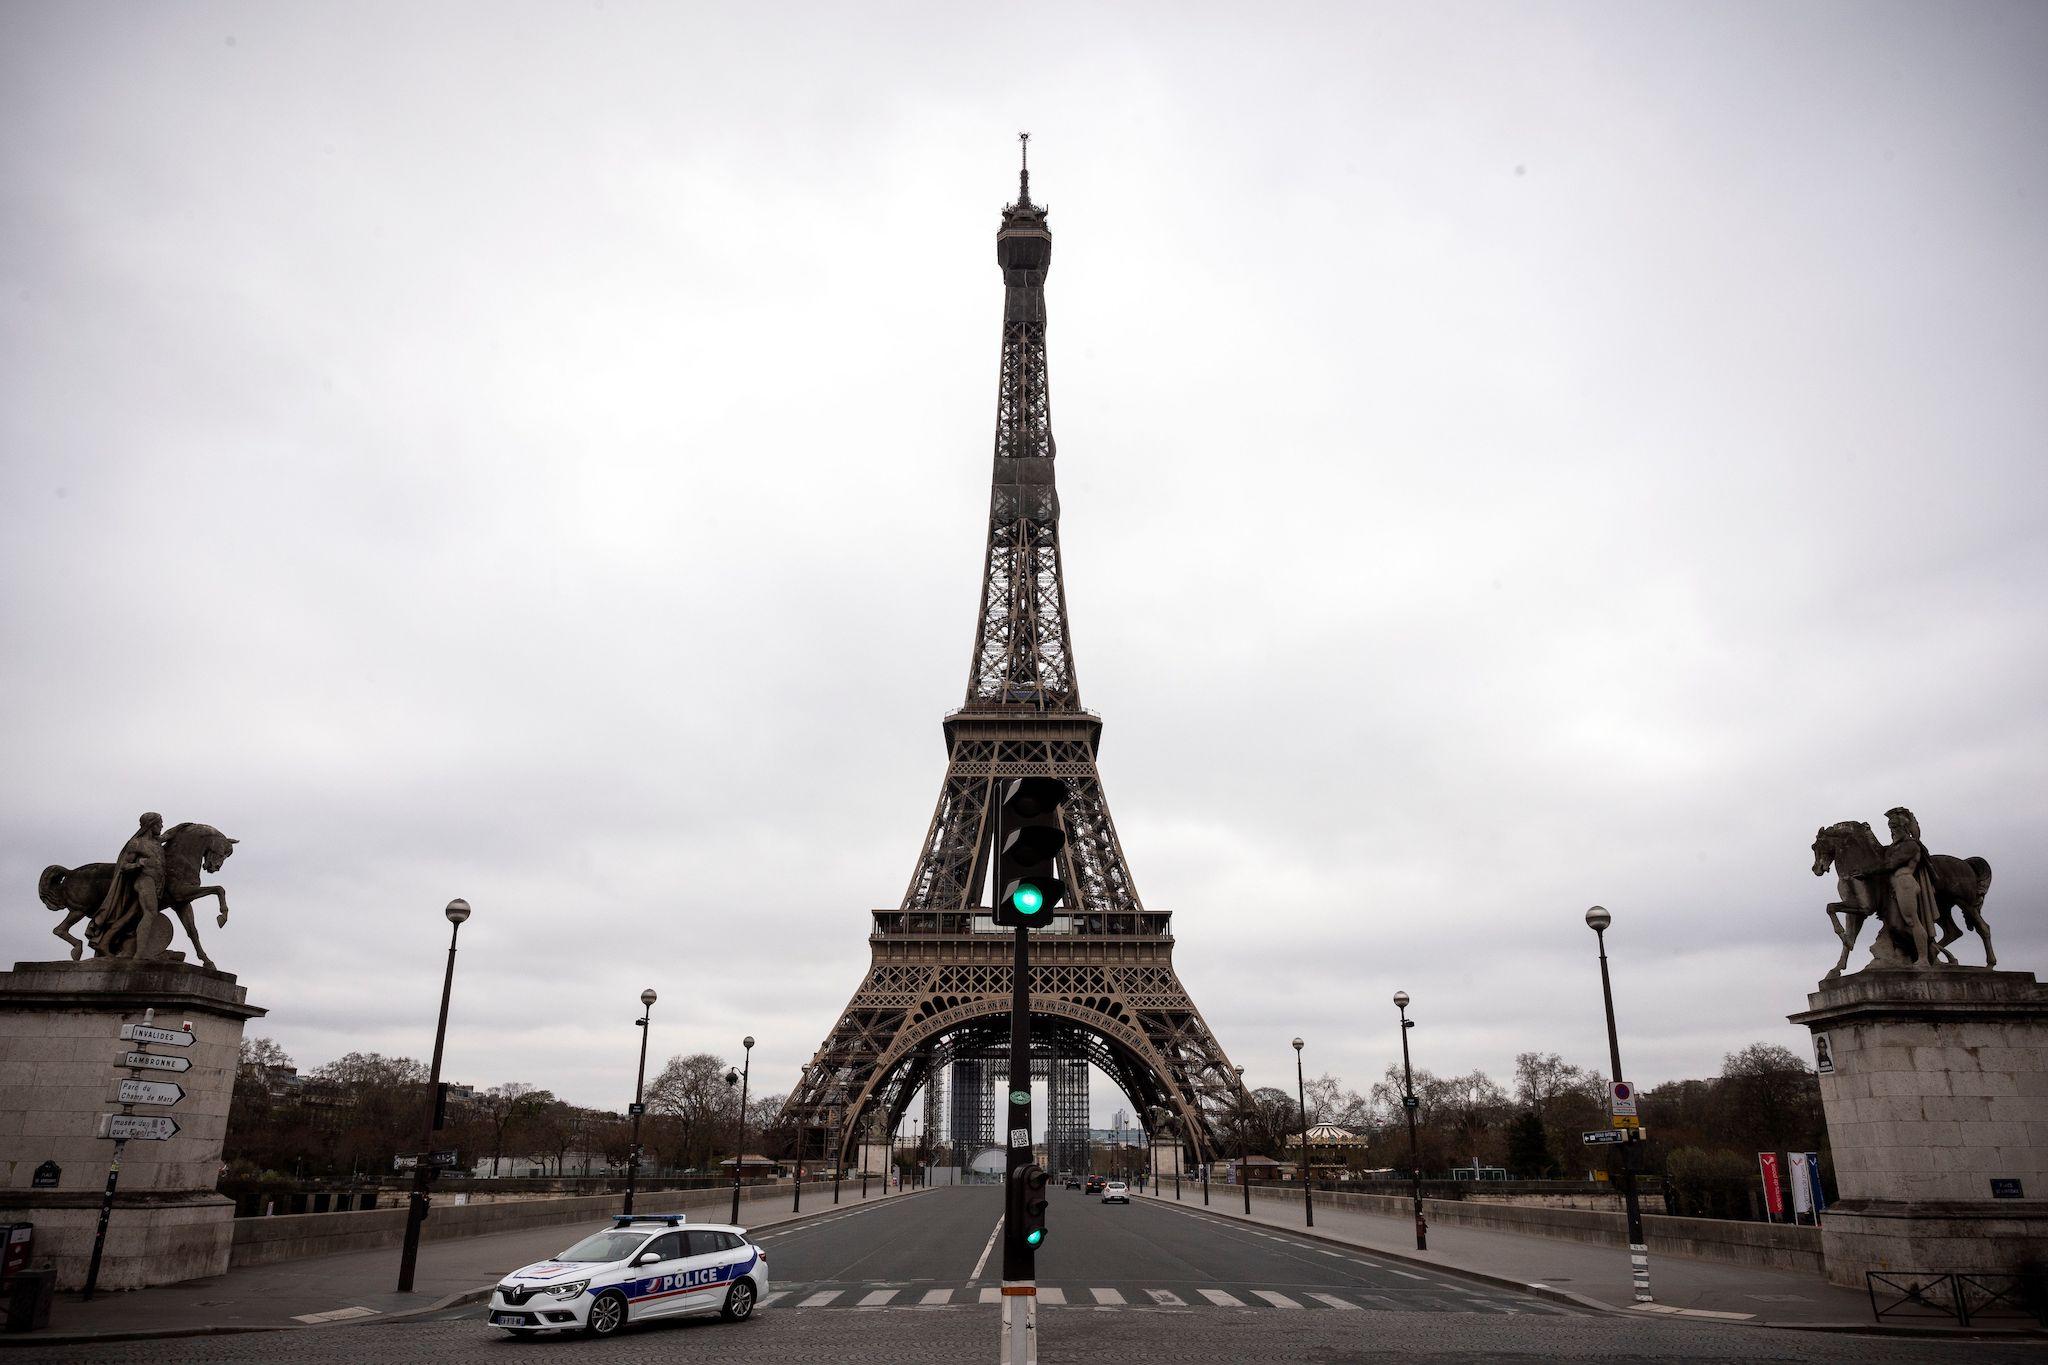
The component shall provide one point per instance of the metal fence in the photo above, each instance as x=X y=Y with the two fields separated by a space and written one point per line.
x=1966 y=1298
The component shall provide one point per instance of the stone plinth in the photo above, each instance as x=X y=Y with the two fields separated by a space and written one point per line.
x=61 y=1070
x=1935 y=1086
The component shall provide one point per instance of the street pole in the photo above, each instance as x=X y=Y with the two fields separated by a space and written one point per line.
x=1598 y=919
x=803 y=1133
x=1244 y=1144
x=838 y=1145
x=416 y=1209
x=1408 y=1103
x=1020 y=1259
x=639 y=1089
x=739 y=1150
x=1308 y=1203
x=99 y=1236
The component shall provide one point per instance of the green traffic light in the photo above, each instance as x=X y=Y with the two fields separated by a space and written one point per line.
x=1028 y=899
x=1035 y=1236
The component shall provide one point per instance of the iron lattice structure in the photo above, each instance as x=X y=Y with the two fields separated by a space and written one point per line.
x=972 y=1119
x=1103 y=986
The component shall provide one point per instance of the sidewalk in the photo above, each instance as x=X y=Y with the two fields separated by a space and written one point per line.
x=359 y=1286
x=1594 y=1274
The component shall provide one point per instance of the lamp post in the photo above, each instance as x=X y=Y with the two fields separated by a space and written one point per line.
x=739 y=1146
x=838 y=1142
x=639 y=1094
x=1244 y=1147
x=916 y=1155
x=416 y=1210
x=1408 y=1103
x=1597 y=919
x=1308 y=1203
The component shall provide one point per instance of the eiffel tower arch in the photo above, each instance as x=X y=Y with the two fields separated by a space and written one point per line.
x=1103 y=986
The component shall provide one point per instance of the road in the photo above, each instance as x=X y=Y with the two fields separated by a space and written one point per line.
x=914 y=1280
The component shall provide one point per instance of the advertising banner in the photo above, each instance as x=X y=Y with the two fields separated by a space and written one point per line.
x=1774 y=1192
x=1820 y=1199
x=1802 y=1185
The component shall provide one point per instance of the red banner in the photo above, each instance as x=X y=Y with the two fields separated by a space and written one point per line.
x=1774 y=1190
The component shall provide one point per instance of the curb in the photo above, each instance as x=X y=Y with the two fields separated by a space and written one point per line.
x=460 y=1298
x=1604 y=1309
x=1564 y=1296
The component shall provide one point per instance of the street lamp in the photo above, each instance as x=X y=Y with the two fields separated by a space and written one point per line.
x=1244 y=1146
x=1308 y=1203
x=1597 y=919
x=416 y=1210
x=639 y=1093
x=739 y=1148
x=1408 y=1103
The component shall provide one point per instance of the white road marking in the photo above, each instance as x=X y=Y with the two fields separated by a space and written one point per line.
x=767 y=1299
x=1277 y=1300
x=878 y=1298
x=1166 y=1298
x=987 y=1247
x=1053 y=1297
x=935 y=1297
x=991 y=1296
x=819 y=1300
x=1221 y=1299
x=337 y=1315
x=1327 y=1252
x=1334 y=1301
x=1107 y=1296
x=1403 y=1272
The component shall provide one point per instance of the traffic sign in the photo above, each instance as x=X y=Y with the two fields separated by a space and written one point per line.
x=406 y=1161
x=151 y=1092
x=153 y=1062
x=1599 y=1136
x=635 y=1109
x=1626 y=1121
x=150 y=1033
x=1622 y=1100
x=1410 y=1102
x=138 y=1127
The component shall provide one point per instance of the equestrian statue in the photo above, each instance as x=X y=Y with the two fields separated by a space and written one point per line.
x=1913 y=894
x=122 y=902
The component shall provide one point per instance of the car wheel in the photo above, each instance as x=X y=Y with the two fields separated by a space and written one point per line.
x=739 y=1302
x=607 y=1314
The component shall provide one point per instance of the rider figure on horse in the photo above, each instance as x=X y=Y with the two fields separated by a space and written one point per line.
x=1903 y=866
x=136 y=892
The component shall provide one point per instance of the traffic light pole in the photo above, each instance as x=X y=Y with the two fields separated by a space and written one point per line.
x=1020 y=1261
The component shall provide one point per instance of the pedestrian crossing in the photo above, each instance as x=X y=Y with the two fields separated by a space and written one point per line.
x=1438 y=1298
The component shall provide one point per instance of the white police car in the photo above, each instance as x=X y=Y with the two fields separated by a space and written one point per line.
x=643 y=1266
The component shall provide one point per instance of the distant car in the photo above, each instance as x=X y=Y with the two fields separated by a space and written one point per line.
x=1094 y=1185
x=1073 y=1182
x=643 y=1266
x=1116 y=1192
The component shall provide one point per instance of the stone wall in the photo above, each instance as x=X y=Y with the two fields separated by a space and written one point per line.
x=290 y=1237
x=1781 y=1246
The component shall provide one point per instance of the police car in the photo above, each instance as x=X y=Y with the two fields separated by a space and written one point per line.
x=643 y=1266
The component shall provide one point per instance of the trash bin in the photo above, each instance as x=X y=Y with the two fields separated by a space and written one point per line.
x=27 y=1298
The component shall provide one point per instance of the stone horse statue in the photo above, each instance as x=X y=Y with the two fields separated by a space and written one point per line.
x=189 y=850
x=1853 y=850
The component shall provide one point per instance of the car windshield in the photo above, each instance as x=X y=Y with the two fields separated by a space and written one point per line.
x=615 y=1245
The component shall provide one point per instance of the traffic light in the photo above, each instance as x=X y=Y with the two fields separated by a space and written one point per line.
x=1028 y=838
x=1027 y=1205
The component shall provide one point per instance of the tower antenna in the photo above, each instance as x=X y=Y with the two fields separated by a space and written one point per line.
x=1024 y=168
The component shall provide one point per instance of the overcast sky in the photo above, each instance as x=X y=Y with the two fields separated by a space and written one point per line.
x=1513 y=457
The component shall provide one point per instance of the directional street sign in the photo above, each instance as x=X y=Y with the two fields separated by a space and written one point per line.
x=150 y=1033
x=635 y=1109
x=151 y=1092
x=139 y=1127
x=1601 y=1135
x=407 y=1161
x=152 y=1062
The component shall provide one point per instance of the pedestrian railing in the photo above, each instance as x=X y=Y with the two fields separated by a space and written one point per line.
x=1964 y=1298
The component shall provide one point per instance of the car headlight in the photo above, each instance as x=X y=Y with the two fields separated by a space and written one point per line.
x=569 y=1290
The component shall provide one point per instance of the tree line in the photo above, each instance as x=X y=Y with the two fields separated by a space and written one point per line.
x=1703 y=1134
x=347 y=1120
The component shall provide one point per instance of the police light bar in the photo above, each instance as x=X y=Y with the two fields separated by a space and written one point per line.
x=620 y=1220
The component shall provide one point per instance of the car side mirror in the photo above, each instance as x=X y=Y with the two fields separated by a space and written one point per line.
x=646 y=1258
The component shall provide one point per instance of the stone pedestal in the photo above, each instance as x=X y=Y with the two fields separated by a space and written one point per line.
x=1935 y=1086
x=61 y=1070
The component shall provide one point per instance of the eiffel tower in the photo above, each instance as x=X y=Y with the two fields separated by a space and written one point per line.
x=1103 y=987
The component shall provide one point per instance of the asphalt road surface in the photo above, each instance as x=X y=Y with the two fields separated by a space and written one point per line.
x=916 y=1280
